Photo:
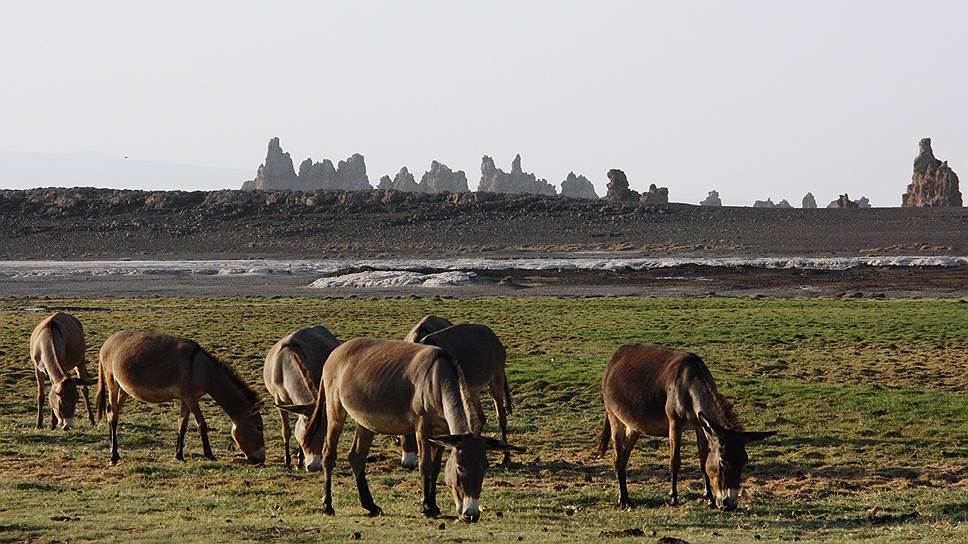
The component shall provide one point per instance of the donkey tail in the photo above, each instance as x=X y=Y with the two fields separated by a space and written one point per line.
x=295 y=351
x=102 y=392
x=606 y=436
x=55 y=332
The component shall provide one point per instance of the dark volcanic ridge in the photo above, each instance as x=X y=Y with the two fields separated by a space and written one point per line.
x=103 y=223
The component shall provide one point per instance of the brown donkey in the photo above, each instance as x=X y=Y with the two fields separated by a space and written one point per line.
x=657 y=391
x=481 y=356
x=393 y=387
x=292 y=373
x=156 y=368
x=57 y=347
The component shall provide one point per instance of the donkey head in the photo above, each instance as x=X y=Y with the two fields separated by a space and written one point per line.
x=726 y=459
x=247 y=433
x=310 y=433
x=63 y=399
x=465 y=469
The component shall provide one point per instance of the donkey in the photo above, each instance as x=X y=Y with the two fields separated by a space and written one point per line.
x=292 y=372
x=393 y=387
x=157 y=368
x=56 y=347
x=481 y=356
x=657 y=391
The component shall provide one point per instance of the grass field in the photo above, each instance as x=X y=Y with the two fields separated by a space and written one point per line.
x=869 y=398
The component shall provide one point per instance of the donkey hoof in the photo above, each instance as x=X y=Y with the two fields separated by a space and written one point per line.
x=374 y=511
x=210 y=456
x=625 y=505
x=328 y=510
x=431 y=511
x=673 y=501
x=115 y=461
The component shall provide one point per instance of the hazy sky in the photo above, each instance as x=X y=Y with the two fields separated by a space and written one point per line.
x=753 y=98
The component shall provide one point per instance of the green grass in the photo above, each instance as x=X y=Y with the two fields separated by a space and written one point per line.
x=868 y=396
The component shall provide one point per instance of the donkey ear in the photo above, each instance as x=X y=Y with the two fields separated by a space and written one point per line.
x=757 y=436
x=709 y=426
x=447 y=440
x=86 y=381
x=298 y=409
x=500 y=445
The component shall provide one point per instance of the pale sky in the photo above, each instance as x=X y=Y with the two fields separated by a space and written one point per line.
x=756 y=98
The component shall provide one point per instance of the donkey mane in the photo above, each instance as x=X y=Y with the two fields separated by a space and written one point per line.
x=247 y=392
x=473 y=418
x=726 y=414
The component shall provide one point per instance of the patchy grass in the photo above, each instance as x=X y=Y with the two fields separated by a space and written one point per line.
x=869 y=398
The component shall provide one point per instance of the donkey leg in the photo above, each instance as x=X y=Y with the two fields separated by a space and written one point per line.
x=40 y=398
x=182 y=429
x=82 y=373
x=620 y=460
x=116 y=398
x=408 y=446
x=202 y=427
x=357 y=459
x=703 y=444
x=335 y=417
x=497 y=393
x=675 y=460
x=436 y=454
x=286 y=433
x=427 y=475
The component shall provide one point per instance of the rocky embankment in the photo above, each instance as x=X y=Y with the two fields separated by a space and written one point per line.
x=104 y=223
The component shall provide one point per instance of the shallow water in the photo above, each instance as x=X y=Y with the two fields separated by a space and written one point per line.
x=329 y=267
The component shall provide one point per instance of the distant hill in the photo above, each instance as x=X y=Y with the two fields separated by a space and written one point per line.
x=20 y=170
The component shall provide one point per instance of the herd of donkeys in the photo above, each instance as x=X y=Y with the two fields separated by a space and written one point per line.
x=425 y=389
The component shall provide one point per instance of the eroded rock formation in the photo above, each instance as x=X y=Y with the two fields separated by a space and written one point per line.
x=656 y=196
x=403 y=181
x=578 y=187
x=618 y=191
x=843 y=201
x=277 y=173
x=495 y=180
x=618 y=187
x=808 y=201
x=351 y=175
x=712 y=199
x=933 y=184
x=441 y=179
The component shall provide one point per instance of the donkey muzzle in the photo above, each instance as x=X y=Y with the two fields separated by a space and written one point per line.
x=314 y=462
x=471 y=511
x=728 y=500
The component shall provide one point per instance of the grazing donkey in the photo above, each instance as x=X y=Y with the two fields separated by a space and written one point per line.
x=56 y=347
x=156 y=368
x=393 y=387
x=292 y=373
x=481 y=356
x=657 y=391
